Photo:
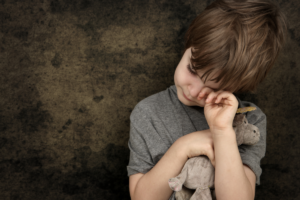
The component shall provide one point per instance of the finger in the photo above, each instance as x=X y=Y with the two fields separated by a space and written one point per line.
x=224 y=97
x=204 y=93
x=212 y=96
x=219 y=99
x=220 y=96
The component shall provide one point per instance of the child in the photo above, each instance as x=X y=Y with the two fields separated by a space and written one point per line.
x=230 y=47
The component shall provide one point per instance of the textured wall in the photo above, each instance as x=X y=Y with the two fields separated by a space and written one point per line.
x=72 y=71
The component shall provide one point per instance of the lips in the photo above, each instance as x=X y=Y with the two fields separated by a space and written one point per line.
x=186 y=96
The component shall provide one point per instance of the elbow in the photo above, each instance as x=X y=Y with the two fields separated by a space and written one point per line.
x=134 y=181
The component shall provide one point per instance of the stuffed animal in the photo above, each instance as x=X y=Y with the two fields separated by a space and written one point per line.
x=197 y=176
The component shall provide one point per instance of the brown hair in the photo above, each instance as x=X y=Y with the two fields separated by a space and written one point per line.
x=239 y=39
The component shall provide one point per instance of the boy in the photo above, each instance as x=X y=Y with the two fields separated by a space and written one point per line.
x=230 y=47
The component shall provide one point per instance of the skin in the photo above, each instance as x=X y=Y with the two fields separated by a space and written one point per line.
x=191 y=90
x=233 y=180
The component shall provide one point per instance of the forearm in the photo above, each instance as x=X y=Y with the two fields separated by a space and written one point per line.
x=154 y=184
x=231 y=181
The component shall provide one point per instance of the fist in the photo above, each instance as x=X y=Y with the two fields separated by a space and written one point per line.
x=198 y=143
x=220 y=109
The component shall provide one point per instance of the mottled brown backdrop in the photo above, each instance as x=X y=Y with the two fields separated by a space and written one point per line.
x=73 y=70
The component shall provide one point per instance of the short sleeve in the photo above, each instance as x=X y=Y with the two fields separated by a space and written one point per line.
x=145 y=142
x=252 y=154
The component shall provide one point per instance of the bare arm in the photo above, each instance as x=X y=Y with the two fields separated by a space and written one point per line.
x=154 y=184
x=233 y=180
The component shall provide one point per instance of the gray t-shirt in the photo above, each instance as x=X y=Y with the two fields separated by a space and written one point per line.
x=159 y=120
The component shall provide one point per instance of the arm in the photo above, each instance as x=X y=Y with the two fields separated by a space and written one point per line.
x=233 y=180
x=154 y=184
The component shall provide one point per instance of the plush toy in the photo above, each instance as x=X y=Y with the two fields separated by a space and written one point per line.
x=197 y=176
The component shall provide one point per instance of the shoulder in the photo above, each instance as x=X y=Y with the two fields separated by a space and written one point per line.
x=155 y=103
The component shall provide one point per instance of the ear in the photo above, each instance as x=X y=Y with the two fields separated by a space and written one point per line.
x=238 y=119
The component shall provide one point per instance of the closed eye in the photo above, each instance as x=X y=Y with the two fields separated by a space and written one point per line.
x=191 y=70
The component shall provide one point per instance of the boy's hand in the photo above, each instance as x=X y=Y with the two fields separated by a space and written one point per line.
x=204 y=93
x=198 y=143
x=220 y=109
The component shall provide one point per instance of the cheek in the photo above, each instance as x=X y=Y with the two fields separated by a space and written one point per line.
x=181 y=76
x=178 y=76
x=200 y=103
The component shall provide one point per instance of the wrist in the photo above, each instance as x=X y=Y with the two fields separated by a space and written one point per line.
x=223 y=134
x=222 y=131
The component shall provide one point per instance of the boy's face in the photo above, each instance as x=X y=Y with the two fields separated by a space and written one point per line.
x=189 y=83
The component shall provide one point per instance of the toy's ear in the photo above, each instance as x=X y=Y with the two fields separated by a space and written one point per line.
x=238 y=119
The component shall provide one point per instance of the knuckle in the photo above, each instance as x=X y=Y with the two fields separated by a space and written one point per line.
x=211 y=94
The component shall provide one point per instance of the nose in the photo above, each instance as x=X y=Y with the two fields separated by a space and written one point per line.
x=195 y=89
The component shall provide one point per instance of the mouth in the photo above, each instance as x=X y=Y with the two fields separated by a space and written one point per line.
x=186 y=96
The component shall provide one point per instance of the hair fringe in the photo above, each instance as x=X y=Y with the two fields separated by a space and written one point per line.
x=240 y=39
